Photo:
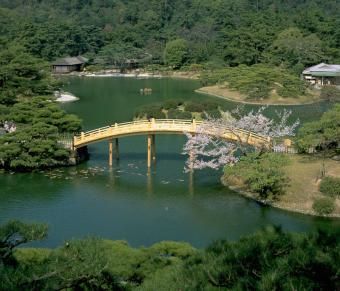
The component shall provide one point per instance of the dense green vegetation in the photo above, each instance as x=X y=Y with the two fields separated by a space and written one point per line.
x=330 y=186
x=293 y=33
x=178 y=109
x=38 y=120
x=261 y=173
x=31 y=148
x=267 y=260
x=330 y=93
x=22 y=75
x=258 y=81
x=36 y=142
x=324 y=205
x=323 y=134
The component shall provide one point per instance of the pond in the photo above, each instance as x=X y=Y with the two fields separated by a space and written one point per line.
x=128 y=202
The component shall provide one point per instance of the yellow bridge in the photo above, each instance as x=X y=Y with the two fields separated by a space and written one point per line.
x=162 y=126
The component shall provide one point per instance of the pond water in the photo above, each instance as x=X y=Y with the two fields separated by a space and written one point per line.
x=126 y=202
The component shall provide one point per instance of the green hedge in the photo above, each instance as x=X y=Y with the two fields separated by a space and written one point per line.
x=325 y=205
x=172 y=104
x=150 y=111
x=178 y=114
x=209 y=105
x=330 y=186
x=330 y=93
x=194 y=106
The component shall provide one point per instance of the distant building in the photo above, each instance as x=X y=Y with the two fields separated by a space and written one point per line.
x=322 y=74
x=69 y=64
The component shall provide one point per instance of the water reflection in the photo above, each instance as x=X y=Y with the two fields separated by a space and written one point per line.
x=149 y=188
x=191 y=175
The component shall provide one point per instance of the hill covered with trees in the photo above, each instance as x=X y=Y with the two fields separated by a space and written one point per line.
x=292 y=33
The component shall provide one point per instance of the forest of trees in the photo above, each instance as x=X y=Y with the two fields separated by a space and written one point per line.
x=267 y=260
x=294 y=33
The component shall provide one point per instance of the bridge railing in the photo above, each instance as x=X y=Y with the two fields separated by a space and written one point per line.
x=138 y=123
x=161 y=124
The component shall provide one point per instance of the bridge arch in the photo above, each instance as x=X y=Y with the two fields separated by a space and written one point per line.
x=162 y=126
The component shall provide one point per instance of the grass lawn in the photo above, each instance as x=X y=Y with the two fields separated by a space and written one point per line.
x=304 y=174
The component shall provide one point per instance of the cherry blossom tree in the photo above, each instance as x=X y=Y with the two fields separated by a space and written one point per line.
x=207 y=150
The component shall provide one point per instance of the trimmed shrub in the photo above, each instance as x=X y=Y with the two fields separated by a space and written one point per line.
x=178 y=114
x=324 y=205
x=330 y=93
x=330 y=186
x=209 y=105
x=155 y=114
x=256 y=81
x=194 y=107
x=262 y=173
x=259 y=91
x=150 y=111
x=172 y=104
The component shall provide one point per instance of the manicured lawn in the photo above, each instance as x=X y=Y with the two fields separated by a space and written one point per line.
x=304 y=173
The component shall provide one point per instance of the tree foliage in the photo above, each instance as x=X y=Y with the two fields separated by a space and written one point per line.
x=322 y=134
x=295 y=50
x=36 y=142
x=268 y=260
x=176 y=53
x=257 y=81
x=34 y=147
x=22 y=75
x=228 y=32
x=15 y=233
x=324 y=205
x=330 y=186
x=263 y=174
x=330 y=93
x=43 y=110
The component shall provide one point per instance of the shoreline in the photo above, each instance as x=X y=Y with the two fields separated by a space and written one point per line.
x=207 y=92
x=303 y=188
x=250 y=196
x=134 y=74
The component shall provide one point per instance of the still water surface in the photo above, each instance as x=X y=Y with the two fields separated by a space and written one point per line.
x=128 y=203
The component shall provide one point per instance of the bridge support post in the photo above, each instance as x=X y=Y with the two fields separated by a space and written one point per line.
x=117 y=149
x=110 y=152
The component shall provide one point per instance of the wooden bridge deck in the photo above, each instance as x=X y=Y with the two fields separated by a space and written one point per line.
x=165 y=126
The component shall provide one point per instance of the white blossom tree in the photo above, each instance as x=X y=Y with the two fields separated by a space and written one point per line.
x=207 y=150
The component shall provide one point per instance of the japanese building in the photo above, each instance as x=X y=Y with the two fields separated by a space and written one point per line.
x=322 y=74
x=69 y=64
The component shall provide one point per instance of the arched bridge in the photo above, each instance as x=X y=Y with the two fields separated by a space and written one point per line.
x=162 y=126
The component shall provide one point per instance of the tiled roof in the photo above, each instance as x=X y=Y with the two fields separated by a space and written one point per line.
x=70 y=61
x=326 y=68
